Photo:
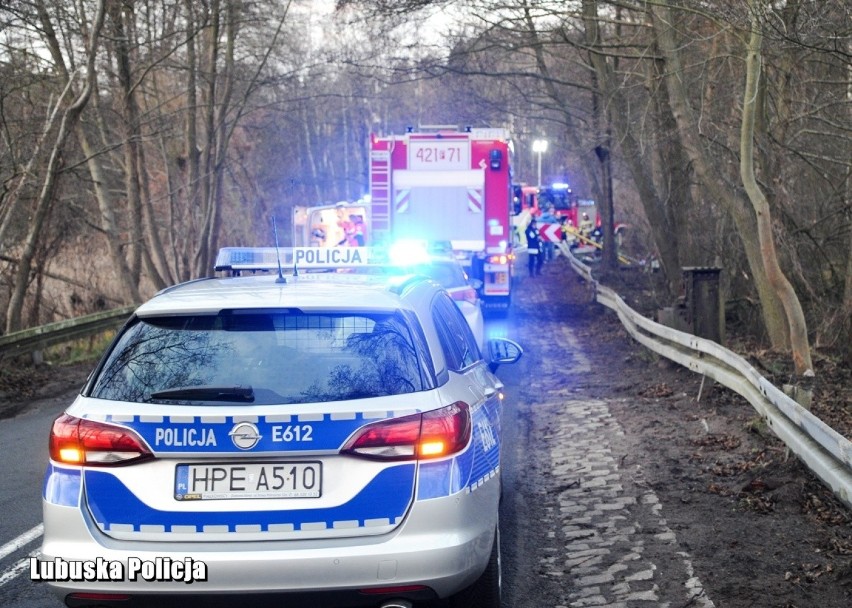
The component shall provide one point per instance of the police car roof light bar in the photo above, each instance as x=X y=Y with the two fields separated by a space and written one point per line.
x=270 y=259
x=237 y=260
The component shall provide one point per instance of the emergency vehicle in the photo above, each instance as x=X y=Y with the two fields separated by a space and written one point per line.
x=534 y=201
x=567 y=204
x=313 y=439
x=335 y=225
x=444 y=184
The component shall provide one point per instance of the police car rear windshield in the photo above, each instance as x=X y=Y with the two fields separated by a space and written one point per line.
x=261 y=357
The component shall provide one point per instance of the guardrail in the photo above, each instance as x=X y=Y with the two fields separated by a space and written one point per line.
x=36 y=339
x=827 y=453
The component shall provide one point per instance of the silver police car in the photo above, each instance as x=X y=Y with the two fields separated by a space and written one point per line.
x=308 y=439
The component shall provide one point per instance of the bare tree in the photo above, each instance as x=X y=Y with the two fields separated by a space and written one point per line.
x=708 y=172
x=632 y=155
x=70 y=118
x=795 y=316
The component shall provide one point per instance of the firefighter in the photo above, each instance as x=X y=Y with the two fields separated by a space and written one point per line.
x=534 y=254
x=359 y=230
x=566 y=231
x=585 y=226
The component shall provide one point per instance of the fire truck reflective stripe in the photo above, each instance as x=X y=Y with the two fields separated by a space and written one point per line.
x=111 y=503
x=212 y=435
x=61 y=486
x=402 y=199
x=474 y=200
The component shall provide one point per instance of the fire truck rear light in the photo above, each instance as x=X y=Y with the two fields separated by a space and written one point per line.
x=499 y=259
x=88 y=442
x=429 y=435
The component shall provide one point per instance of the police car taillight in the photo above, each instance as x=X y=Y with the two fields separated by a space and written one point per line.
x=88 y=442
x=420 y=436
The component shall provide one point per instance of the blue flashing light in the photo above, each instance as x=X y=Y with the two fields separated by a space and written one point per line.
x=560 y=186
x=407 y=252
x=247 y=258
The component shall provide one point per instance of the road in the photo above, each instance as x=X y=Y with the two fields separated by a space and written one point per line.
x=23 y=456
x=578 y=528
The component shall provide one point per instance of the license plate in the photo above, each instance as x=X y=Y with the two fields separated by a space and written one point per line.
x=220 y=481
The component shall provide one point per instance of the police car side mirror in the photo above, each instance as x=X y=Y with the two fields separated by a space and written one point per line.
x=475 y=283
x=502 y=350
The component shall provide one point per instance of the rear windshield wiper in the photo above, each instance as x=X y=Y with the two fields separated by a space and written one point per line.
x=243 y=394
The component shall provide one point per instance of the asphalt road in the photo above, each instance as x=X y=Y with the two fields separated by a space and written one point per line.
x=23 y=456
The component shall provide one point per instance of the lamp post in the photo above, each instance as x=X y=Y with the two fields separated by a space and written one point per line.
x=539 y=146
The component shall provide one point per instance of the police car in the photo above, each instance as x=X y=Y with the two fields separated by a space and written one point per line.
x=316 y=439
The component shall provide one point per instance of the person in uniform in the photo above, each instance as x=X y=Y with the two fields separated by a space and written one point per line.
x=585 y=226
x=535 y=257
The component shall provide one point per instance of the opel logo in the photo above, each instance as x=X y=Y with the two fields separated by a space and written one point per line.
x=245 y=435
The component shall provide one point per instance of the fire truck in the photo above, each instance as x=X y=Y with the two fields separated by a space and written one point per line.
x=452 y=186
x=567 y=204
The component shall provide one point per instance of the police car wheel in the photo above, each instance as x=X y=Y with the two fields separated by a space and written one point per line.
x=486 y=591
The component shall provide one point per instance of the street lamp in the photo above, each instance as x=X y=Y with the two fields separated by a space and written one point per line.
x=539 y=146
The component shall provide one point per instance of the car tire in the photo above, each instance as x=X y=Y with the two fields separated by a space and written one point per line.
x=486 y=591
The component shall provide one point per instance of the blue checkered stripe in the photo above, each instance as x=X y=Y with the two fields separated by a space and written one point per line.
x=62 y=485
x=380 y=504
x=278 y=433
x=472 y=468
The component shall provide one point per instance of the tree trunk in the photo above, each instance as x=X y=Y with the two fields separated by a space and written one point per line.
x=143 y=234
x=45 y=199
x=109 y=223
x=708 y=174
x=778 y=280
x=201 y=266
x=638 y=165
x=15 y=199
x=672 y=169
x=846 y=308
x=192 y=196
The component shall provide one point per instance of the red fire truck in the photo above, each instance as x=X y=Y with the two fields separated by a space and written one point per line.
x=567 y=204
x=451 y=186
